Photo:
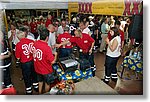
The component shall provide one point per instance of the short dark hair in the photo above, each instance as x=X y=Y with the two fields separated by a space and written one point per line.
x=13 y=23
x=63 y=19
x=84 y=22
x=117 y=23
x=43 y=32
x=66 y=29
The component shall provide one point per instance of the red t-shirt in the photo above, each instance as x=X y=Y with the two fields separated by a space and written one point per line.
x=40 y=22
x=62 y=38
x=48 y=21
x=83 y=43
x=33 y=26
x=121 y=35
x=24 y=50
x=43 y=57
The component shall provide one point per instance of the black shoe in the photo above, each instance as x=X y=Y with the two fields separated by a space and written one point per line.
x=28 y=93
x=36 y=89
x=105 y=81
x=114 y=79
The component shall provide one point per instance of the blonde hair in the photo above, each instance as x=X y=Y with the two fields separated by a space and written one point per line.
x=21 y=35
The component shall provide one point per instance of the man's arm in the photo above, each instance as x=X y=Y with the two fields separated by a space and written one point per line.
x=90 y=51
x=5 y=56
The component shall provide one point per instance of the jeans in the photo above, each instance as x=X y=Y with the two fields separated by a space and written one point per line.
x=110 y=66
x=65 y=52
x=29 y=75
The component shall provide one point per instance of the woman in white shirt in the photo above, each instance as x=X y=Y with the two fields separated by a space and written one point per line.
x=112 y=55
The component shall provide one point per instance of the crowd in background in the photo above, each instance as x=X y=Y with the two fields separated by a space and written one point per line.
x=89 y=33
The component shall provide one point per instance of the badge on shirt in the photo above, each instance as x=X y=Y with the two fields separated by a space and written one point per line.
x=28 y=56
x=85 y=41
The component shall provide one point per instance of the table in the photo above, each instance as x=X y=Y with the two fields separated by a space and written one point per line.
x=93 y=86
x=77 y=75
x=133 y=64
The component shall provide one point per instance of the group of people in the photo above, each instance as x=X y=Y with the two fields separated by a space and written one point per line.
x=36 y=51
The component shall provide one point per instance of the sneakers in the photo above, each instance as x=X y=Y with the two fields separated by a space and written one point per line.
x=114 y=79
x=105 y=81
x=28 y=93
x=36 y=89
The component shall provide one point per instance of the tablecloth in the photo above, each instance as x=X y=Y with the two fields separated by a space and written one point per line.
x=76 y=75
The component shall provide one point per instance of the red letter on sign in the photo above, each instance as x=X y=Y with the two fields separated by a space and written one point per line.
x=86 y=8
x=79 y=7
x=82 y=10
x=127 y=7
x=90 y=7
x=135 y=9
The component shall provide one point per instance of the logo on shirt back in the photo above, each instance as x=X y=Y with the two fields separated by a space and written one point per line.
x=64 y=39
x=37 y=53
x=27 y=48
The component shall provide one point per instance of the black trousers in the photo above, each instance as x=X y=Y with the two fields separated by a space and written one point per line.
x=90 y=58
x=6 y=77
x=110 y=67
x=29 y=75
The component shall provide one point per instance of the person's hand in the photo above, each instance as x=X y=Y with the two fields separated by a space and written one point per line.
x=57 y=45
x=90 y=51
x=9 y=53
x=55 y=53
x=13 y=32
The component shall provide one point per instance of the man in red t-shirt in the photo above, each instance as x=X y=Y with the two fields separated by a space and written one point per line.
x=65 y=50
x=24 y=54
x=33 y=28
x=86 y=44
x=48 y=20
x=43 y=60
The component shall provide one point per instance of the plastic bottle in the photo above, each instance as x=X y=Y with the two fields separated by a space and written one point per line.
x=131 y=53
x=135 y=53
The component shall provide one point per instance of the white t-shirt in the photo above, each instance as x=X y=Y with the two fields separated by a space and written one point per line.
x=52 y=40
x=87 y=31
x=30 y=36
x=15 y=39
x=116 y=52
x=61 y=30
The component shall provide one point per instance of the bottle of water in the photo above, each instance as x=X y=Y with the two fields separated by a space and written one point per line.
x=135 y=53
x=131 y=51
x=139 y=56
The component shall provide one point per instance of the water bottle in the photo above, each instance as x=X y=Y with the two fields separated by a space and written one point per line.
x=135 y=53
x=131 y=53
x=139 y=56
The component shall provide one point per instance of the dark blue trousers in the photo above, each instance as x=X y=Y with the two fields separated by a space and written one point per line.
x=29 y=75
x=110 y=66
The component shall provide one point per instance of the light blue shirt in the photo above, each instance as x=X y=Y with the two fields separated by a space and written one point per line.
x=104 y=28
